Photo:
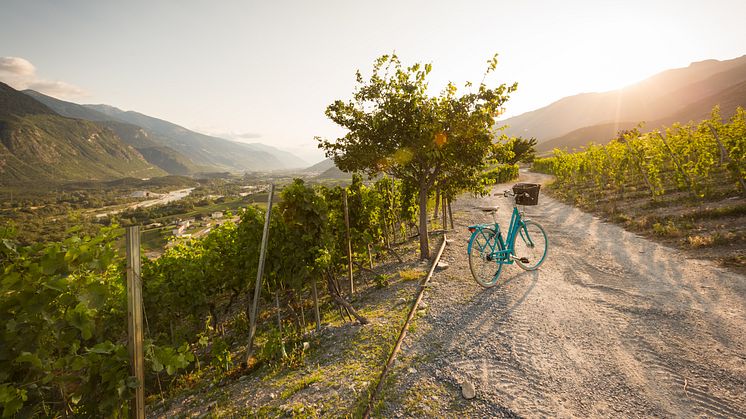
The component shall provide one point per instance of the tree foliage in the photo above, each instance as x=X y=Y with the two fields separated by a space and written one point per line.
x=396 y=127
x=523 y=150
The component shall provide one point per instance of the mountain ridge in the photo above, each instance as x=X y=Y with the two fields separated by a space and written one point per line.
x=154 y=152
x=655 y=98
x=37 y=144
x=203 y=149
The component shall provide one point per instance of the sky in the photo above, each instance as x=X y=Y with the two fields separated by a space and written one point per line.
x=265 y=71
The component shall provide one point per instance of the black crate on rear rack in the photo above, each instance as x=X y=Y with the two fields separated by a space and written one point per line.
x=526 y=193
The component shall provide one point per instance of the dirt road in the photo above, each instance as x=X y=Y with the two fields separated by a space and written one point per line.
x=612 y=325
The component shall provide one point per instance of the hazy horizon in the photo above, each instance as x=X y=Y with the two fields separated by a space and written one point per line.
x=256 y=72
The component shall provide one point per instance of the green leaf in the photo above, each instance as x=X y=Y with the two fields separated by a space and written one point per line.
x=103 y=348
x=30 y=358
x=81 y=318
x=12 y=399
x=78 y=363
x=94 y=295
x=56 y=283
x=10 y=279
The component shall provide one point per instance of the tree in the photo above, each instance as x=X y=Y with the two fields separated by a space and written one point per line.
x=523 y=150
x=395 y=127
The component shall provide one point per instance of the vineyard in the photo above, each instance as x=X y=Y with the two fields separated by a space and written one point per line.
x=676 y=182
x=63 y=304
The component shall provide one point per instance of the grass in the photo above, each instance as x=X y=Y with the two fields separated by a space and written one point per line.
x=422 y=399
x=667 y=229
x=714 y=239
x=411 y=274
x=300 y=384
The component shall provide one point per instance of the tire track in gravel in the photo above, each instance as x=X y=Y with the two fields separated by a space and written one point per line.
x=611 y=325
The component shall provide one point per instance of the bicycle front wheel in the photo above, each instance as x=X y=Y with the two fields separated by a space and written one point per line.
x=531 y=246
x=484 y=268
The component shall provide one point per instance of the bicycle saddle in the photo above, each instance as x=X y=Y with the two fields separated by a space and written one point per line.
x=488 y=209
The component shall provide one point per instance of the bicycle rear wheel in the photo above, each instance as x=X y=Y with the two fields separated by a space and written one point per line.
x=531 y=245
x=481 y=261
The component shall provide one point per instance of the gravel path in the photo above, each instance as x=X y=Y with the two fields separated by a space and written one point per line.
x=612 y=325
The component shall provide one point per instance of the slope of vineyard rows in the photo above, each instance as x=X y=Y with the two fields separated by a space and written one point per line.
x=64 y=313
x=685 y=186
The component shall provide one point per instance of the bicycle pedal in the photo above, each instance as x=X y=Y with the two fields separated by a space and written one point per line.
x=523 y=260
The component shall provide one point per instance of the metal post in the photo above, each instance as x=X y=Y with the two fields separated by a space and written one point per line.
x=134 y=319
x=259 y=274
x=349 y=242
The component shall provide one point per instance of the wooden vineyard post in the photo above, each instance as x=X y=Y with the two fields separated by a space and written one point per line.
x=370 y=257
x=134 y=320
x=349 y=242
x=259 y=275
x=445 y=207
x=395 y=218
x=316 y=305
x=450 y=212
x=437 y=203
x=279 y=322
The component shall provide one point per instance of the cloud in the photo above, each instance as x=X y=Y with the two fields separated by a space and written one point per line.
x=230 y=135
x=57 y=88
x=21 y=74
x=16 y=66
x=246 y=135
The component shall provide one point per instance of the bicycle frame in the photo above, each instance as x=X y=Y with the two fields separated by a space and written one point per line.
x=515 y=227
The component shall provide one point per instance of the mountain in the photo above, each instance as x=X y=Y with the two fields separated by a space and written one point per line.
x=334 y=173
x=288 y=159
x=674 y=95
x=143 y=141
x=12 y=103
x=320 y=167
x=37 y=144
x=326 y=169
x=728 y=99
x=217 y=153
x=599 y=134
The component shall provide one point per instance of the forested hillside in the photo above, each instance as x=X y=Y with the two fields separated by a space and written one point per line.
x=36 y=144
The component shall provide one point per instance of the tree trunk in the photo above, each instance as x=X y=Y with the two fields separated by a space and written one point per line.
x=424 y=246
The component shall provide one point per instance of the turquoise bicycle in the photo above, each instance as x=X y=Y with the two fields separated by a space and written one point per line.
x=526 y=242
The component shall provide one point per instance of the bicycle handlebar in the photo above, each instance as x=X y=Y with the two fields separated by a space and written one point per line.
x=508 y=193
